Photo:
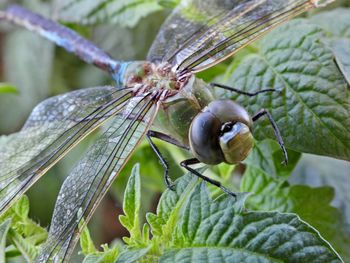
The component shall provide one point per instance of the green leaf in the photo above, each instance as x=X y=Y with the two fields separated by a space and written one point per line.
x=132 y=255
x=341 y=49
x=4 y=228
x=268 y=156
x=7 y=88
x=24 y=225
x=275 y=193
x=312 y=105
x=125 y=13
x=131 y=207
x=210 y=230
x=169 y=3
x=24 y=234
x=336 y=22
x=319 y=171
x=86 y=243
x=108 y=255
x=27 y=248
x=169 y=206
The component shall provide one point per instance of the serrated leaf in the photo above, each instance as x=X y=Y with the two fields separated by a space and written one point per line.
x=168 y=207
x=131 y=207
x=28 y=249
x=22 y=208
x=312 y=107
x=125 y=13
x=275 y=193
x=86 y=243
x=4 y=228
x=22 y=224
x=209 y=230
x=24 y=234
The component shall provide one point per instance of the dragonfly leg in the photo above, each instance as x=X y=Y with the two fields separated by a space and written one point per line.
x=250 y=94
x=164 y=163
x=186 y=164
x=264 y=112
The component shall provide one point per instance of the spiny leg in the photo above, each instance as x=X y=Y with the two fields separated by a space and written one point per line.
x=250 y=94
x=168 y=139
x=186 y=164
x=264 y=112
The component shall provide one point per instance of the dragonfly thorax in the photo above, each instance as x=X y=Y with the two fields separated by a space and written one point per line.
x=151 y=76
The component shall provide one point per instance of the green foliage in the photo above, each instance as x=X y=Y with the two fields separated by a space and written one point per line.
x=279 y=221
x=189 y=224
x=312 y=103
x=7 y=88
x=338 y=36
x=272 y=193
x=126 y=13
x=24 y=235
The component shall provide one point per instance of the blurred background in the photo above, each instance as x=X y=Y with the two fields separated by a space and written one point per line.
x=39 y=70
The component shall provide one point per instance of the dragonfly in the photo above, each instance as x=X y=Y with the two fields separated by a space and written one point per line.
x=161 y=91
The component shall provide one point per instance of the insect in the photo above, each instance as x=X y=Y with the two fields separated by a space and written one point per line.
x=162 y=90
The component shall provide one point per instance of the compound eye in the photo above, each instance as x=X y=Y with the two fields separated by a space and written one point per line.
x=204 y=138
x=236 y=141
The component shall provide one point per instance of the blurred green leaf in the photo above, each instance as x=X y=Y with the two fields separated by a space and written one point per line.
x=335 y=22
x=126 y=13
x=86 y=243
x=268 y=156
x=4 y=228
x=24 y=234
x=312 y=107
x=169 y=3
x=7 y=88
x=319 y=171
x=341 y=49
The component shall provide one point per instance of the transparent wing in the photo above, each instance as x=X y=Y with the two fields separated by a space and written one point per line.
x=53 y=128
x=90 y=179
x=202 y=33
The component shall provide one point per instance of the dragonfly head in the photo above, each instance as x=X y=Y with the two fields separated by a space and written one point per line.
x=221 y=132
